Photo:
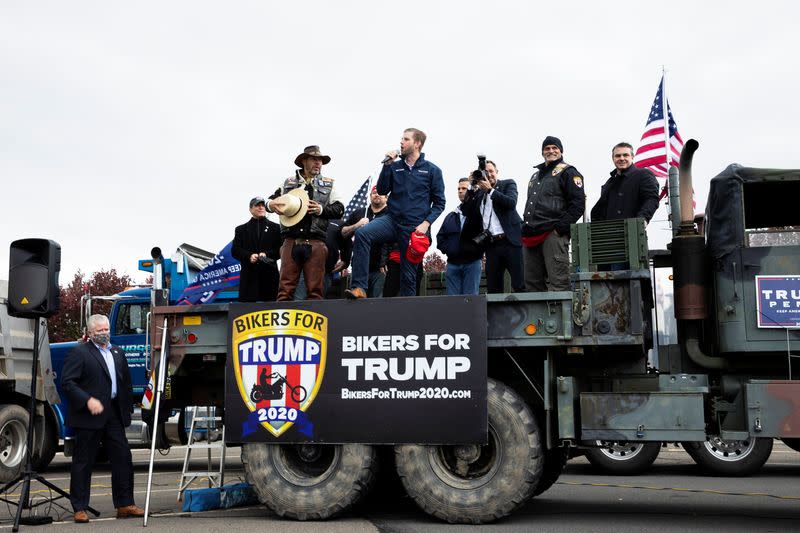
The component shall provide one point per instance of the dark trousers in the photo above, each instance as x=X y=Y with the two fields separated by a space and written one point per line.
x=394 y=274
x=547 y=265
x=87 y=442
x=501 y=255
x=308 y=257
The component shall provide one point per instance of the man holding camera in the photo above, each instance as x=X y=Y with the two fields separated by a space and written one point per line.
x=417 y=199
x=556 y=199
x=257 y=244
x=303 y=246
x=495 y=202
x=456 y=239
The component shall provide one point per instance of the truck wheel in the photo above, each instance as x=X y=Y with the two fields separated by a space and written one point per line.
x=475 y=484
x=554 y=462
x=792 y=443
x=623 y=458
x=13 y=434
x=49 y=442
x=730 y=458
x=309 y=481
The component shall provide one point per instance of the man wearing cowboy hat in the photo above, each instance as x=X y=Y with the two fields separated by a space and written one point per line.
x=305 y=203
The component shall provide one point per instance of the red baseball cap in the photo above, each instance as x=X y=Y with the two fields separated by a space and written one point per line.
x=417 y=246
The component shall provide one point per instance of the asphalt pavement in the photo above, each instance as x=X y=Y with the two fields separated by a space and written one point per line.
x=672 y=496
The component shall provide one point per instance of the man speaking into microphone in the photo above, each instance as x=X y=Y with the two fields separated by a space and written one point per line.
x=416 y=199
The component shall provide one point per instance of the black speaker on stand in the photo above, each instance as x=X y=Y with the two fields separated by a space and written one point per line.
x=33 y=293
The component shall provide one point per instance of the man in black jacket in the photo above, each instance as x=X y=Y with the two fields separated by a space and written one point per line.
x=97 y=383
x=495 y=202
x=257 y=246
x=556 y=199
x=630 y=192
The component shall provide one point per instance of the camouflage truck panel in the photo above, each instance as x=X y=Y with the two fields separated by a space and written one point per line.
x=773 y=408
x=653 y=416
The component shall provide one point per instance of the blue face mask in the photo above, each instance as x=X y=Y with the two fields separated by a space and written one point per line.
x=101 y=338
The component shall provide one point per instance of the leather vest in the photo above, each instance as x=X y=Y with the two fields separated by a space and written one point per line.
x=320 y=193
x=545 y=204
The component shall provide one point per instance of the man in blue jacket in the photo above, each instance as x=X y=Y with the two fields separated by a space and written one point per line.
x=416 y=200
x=456 y=240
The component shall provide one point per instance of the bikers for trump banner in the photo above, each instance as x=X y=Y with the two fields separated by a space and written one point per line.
x=394 y=370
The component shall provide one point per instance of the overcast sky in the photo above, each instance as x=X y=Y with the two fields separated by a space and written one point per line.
x=126 y=125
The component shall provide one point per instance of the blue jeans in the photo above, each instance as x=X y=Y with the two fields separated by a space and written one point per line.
x=382 y=230
x=376 y=281
x=463 y=279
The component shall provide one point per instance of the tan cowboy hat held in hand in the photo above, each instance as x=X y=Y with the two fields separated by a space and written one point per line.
x=311 y=151
x=294 y=205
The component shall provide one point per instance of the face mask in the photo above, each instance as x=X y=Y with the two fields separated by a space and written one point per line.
x=101 y=338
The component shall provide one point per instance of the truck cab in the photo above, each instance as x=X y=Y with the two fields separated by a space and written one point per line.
x=129 y=322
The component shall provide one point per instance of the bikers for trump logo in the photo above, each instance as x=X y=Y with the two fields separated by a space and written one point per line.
x=279 y=362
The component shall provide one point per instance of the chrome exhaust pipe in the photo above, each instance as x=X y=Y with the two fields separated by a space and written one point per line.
x=686 y=188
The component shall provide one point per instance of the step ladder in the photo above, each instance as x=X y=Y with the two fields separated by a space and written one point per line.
x=211 y=422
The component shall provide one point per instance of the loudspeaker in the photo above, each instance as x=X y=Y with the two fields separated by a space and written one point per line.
x=33 y=278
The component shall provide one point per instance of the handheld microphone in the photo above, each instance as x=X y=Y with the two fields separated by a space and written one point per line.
x=389 y=158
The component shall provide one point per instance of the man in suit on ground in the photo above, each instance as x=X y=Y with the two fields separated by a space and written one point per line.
x=495 y=202
x=97 y=383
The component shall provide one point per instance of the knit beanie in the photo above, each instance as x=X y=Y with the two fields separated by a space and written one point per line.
x=552 y=140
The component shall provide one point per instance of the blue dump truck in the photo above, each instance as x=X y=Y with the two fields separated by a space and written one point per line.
x=129 y=330
x=480 y=398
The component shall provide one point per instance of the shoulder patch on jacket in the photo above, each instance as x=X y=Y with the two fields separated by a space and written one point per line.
x=559 y=167
x=578 y=181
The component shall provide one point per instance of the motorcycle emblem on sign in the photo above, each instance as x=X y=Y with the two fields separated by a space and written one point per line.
x=278 y=365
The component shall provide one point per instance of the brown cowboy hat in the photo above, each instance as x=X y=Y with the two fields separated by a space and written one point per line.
x=294 y=205
x=311 y=151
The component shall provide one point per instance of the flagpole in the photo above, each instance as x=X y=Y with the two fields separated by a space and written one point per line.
x=369 y=192
x=667 y=146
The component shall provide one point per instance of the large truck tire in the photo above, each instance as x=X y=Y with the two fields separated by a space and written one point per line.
x=13 y=436
x=554 y=462
x=309 y=481
x=792 y=443
x=623 y=458
x=475 y=484
x=45 y=447
x=730 y=458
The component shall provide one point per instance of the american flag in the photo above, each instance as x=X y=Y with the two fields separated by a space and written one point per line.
x=652 y=152
x=359 y=199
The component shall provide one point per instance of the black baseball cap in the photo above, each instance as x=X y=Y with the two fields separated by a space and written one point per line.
x=257 y=200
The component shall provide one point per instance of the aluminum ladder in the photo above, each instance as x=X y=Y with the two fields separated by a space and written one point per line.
x=216 y=478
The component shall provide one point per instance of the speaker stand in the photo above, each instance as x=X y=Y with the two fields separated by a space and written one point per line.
x=30 y=474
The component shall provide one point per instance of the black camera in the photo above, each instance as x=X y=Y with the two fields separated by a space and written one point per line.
x=483 y=238
x=266 y=260
x=480 y=174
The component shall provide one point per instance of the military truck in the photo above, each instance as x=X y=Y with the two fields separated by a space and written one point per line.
x=555 y=370
x=16 y=357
